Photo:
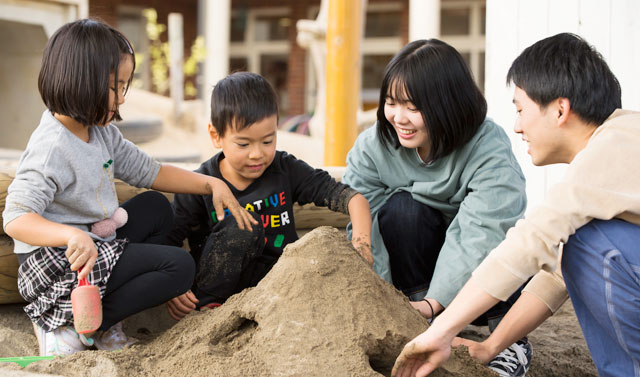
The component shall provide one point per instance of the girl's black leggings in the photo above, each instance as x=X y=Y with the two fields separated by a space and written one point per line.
x=148 y=272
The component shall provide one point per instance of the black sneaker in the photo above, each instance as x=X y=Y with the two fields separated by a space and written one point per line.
x=513 y=361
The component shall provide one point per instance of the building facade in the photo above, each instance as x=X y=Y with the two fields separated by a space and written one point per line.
x=262 y=39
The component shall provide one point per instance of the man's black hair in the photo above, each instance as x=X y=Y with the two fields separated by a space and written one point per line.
x=566 y=66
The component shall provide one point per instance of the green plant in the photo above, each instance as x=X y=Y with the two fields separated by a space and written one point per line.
x=158 y=55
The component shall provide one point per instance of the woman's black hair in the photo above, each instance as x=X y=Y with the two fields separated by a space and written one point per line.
x=76 y=67
x=240 y=100
x=566 y=66
x=434 y=77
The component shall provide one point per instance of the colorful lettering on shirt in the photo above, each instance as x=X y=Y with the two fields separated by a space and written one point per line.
x=284 y=218
x=279 y=240
x=268 y=220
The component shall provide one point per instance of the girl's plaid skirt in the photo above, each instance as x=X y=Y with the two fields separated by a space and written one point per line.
x=45 y=280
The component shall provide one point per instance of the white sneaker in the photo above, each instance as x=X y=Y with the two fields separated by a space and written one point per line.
x=513 y=361
x=62 y=341
x=112 y=339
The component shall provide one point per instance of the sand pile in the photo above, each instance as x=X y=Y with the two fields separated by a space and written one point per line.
x=321 y=311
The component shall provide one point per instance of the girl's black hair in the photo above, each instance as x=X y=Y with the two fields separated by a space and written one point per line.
x=76 y=66
x=434 y=77
x=240 y=100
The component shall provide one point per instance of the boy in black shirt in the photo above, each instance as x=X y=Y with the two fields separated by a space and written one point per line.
x=244 y=118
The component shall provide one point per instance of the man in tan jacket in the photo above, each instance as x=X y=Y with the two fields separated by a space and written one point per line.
x=568 y=103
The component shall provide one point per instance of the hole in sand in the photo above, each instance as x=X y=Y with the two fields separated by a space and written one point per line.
x=382 y=353
x=235 y=338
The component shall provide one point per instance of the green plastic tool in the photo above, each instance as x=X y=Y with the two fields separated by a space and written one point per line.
x=23 y=361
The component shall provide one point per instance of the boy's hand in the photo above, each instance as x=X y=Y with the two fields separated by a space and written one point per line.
x=81 y=253
x=363 y=247
x=180 y=306
x=223 y=198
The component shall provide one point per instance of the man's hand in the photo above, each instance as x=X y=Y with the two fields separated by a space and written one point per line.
x=223 y=198
x=81 y=253
x=422 y=355
x=180 y=306
x=477 y=350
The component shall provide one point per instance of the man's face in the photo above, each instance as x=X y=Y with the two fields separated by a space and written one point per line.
x=539 y=129
x=248 y=152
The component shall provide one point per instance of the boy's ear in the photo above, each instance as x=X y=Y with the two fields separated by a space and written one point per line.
x=563 y=110
x=215 y=136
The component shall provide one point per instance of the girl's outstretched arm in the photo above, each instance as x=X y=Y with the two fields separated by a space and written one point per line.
x=38 y=231
x=180 y=181
x=361 y=222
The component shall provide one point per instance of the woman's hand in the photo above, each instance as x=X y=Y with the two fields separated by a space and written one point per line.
x=223 y=198
x=81 y=253
x=427 y=311
x=360 y=215
x=422 y=355
x=362 y=245
x=180 y=306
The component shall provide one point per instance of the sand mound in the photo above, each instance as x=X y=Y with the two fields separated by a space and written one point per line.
x=321 y=311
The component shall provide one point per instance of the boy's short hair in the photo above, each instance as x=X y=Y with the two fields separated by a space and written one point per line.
x=241 y=99
x=434 y=77
x=76 y=64
x=566 y=66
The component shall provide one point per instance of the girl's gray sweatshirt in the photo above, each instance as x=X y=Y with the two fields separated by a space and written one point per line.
x=69 y=181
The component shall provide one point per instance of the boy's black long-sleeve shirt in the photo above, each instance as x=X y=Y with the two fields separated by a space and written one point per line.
x=286 y=181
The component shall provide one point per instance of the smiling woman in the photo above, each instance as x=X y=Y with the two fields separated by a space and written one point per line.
x=440 y=177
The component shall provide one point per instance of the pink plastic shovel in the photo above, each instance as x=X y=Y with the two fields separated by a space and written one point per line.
x=86 y=306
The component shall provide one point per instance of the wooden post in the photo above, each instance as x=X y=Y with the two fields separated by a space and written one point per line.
x=343 y=79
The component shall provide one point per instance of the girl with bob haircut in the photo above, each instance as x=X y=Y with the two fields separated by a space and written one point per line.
x=62 y=209
x=441 y=179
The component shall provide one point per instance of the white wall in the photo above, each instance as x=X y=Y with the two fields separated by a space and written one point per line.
x=612 y=26
x=25 y=26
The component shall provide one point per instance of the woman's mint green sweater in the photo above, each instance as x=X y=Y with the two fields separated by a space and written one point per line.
x=479 y=189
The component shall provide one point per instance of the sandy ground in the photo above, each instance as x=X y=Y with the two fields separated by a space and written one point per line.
x=320 y=312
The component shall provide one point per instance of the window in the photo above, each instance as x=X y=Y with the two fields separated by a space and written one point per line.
x=260 y=44
x=382 y=40
x=462 y=25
